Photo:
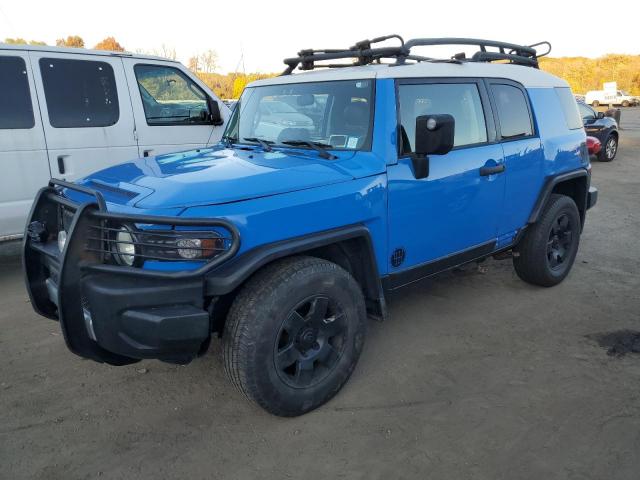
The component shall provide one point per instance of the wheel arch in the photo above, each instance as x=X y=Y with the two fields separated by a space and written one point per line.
x=349 y=247
x=574 y=184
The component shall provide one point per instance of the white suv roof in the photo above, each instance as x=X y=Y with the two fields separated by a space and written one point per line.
x=529 y=77
x=81 y=51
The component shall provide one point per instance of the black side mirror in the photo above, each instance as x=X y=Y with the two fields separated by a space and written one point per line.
x=434 y=136
x=215 y=116
x=600 y=115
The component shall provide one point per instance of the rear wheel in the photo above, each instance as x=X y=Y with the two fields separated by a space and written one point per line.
x=294 y=335
x=548 y=249
x=609 y=149
x=595 y=103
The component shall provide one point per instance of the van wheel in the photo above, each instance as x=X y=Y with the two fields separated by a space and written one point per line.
x=548 y=249
x=625 y=103
x=294 y=335
x=595 y=103
x=609 y=149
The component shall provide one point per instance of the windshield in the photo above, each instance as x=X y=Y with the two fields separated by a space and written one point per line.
x=336 y=115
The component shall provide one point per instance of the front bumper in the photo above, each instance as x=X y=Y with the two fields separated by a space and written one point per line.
x=113 y=313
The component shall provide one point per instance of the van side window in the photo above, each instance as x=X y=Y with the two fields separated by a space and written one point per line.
x=169 y=97
x=462 y=100
x=513 y=111
x=79 y=93
x=16 y=110
x=569 y=108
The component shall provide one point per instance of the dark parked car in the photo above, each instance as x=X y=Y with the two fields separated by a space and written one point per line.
x=603 y=128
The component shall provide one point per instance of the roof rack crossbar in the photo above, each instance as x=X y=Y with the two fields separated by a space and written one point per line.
x=362 y=53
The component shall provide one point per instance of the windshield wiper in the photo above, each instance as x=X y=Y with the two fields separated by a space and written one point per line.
x=265 y=144
x=317 y=146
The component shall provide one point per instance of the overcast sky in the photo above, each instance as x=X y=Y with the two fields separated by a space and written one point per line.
x=264 y=32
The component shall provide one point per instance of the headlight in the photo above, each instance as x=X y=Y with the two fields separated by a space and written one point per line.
x=131 y=247
x=125 y=249
x=193 y=248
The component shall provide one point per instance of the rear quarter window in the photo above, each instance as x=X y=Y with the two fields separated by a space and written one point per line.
x=569 y=108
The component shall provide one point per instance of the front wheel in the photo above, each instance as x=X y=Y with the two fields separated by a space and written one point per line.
x=595 y=103
x=625 y=103
x=294 y=334
x=609 y=149
x=548 y=249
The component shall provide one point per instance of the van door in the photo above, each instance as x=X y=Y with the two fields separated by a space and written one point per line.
x=452 y=215
x=23 y=154
x=86 y=112
x=171 y=107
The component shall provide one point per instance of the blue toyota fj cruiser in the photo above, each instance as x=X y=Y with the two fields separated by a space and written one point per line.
x=330 y=188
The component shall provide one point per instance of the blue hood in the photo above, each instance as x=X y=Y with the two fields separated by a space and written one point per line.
x=214 y=176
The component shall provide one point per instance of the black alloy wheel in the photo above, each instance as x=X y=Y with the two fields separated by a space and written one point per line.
x=294 y=334
x=560 y=241
x=310 y=342
x=545 y=254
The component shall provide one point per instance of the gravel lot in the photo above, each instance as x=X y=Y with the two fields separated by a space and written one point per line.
x=477 y=375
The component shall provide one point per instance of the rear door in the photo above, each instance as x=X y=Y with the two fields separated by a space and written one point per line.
x=171 y=107
x=86 y=112
x=23 y=154
x=523 y=156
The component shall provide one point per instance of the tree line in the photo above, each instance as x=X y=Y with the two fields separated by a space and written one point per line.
x=582 y=74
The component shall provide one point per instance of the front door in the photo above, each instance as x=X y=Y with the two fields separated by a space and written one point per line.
x=452 y=215
x=171 y=108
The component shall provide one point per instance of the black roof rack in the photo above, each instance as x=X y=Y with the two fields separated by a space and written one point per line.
x=362 y=53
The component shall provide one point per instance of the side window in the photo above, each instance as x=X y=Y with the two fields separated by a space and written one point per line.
x=462 y=100
x=79 y=93
x=169 y=97
x=569 y=108
x=513 y=111
x=17 y=110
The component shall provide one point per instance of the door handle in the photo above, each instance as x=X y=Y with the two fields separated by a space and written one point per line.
x=61 y=167
x=492 y=170
x=145 y=153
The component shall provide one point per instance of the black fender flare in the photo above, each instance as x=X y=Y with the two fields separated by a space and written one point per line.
x=551 y=183
x=230 y=275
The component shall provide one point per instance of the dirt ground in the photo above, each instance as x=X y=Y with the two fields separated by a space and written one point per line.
x=476 y=375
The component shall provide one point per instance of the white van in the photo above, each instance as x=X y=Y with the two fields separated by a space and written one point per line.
x=615 y=97
x=66 y=112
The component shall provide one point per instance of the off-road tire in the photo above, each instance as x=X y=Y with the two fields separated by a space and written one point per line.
x=611 y=143
x=532 y=257
x=256 y=321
